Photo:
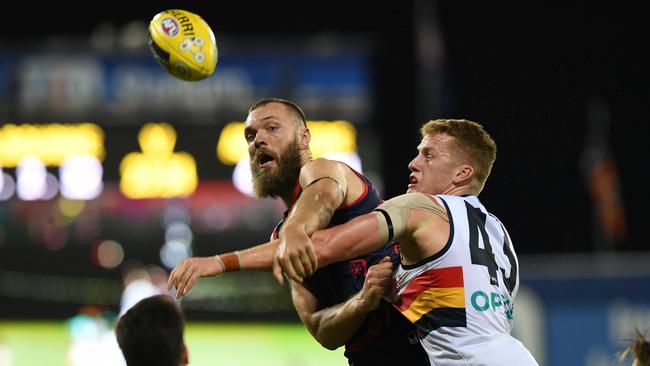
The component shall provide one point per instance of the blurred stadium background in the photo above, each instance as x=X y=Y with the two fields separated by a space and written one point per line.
x=564 y=91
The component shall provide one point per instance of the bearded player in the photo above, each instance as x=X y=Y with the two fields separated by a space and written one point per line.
x=317 y=193
x=458 y=274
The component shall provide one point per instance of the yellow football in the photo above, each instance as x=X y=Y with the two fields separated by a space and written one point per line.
x=183 y=44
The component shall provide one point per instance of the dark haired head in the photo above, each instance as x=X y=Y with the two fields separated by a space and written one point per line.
x=151 y=332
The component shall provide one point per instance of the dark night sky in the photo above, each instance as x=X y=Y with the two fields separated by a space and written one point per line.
x=529 y=78
x=526 y=73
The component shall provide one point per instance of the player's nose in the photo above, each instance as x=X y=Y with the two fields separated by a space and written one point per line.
x=413 y=165
x=260 y=139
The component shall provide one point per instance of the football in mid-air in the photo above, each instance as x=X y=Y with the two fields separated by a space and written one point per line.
x=183 y=43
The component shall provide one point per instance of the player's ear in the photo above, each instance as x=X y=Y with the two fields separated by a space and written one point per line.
x=464 y=174
x=304 y=138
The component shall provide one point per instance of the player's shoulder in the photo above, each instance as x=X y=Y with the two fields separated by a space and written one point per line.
x=321 y=163
x=327 y=167
x=416 y=200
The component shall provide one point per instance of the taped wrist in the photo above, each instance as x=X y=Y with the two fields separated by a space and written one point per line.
x=230 y=261
x=217 y=258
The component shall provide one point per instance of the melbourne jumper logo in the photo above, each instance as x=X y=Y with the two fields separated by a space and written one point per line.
x=170 y=26
x=358 y=267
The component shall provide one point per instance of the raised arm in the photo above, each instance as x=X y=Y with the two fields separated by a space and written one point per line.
x=326 y=185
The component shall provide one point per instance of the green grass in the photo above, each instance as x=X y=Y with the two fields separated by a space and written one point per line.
x=271 y=345
x=47 y=343
x=35 y=343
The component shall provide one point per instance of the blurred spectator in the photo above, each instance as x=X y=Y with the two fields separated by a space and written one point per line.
x=151 y=333
x=158 y=277
x=92 y=339
x=138 y=285
x=5 y=353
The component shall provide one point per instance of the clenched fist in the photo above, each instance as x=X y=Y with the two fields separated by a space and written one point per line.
x=379 y=282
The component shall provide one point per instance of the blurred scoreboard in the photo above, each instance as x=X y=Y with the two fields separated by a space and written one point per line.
x=105 y=158
x=153 y=170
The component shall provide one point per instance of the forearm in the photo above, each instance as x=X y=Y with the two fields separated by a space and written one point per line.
x=357 y=237
x=322 y=195
x=257 y=258
x=332 y=327
x=315 y=207
x=190 y=270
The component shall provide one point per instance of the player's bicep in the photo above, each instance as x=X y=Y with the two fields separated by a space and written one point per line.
x=327 y=173
x=362 y=235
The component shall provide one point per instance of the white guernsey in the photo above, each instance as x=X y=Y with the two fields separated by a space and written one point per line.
x=461 y=297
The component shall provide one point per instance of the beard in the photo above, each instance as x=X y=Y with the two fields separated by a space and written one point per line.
x=275 y=183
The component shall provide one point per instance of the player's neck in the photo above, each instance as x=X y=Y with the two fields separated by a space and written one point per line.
x=305 y=157
x=460 y=190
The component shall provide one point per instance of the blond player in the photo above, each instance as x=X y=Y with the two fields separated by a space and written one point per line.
x=458 y=276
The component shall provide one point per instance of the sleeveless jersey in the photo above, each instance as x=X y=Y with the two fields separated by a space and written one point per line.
x=337 y=282
x=461 y=299
x=385 y=335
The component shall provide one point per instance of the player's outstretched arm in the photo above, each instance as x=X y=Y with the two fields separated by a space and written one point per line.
x=392 y=220
x=185 y=276
x=355 y=238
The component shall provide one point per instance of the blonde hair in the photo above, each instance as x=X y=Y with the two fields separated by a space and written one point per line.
x=640 y=350
x=471 y=140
